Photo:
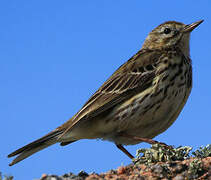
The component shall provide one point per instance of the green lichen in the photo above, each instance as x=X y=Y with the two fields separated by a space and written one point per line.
x=203 y=152
x=160 y=153
x=195 y=168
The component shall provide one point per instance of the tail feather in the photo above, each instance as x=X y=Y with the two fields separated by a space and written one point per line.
x=35 y=146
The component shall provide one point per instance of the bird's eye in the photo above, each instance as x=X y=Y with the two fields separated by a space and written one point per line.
x=167 y=30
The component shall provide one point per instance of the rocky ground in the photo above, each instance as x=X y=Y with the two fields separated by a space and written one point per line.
x=155 y=163
x=177 y=170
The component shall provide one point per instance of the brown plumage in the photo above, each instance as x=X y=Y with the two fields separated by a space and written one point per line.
x=138 y=102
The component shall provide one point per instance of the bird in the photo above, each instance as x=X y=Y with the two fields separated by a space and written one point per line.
x=139 y=101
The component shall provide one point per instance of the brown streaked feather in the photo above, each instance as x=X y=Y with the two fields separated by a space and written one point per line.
x=122 y=85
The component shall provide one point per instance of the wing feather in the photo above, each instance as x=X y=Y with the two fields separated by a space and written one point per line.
x=122 y=85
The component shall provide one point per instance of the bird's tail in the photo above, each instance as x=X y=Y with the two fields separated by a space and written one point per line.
x=35 y=146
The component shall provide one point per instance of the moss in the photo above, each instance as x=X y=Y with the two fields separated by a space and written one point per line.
x=203 y=152
x=160 y=153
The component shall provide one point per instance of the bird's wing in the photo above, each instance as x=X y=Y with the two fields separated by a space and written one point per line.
x=134 y=76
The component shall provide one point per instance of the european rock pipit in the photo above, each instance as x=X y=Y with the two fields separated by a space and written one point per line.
x=139 y=101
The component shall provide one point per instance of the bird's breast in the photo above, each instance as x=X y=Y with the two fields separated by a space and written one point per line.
x=152 y=111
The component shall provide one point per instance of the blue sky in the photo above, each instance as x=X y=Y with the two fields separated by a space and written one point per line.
x=55 y=54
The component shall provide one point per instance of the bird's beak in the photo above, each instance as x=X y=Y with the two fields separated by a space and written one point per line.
x=191 y=27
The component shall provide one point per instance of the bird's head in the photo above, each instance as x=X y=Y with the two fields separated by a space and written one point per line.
x=169 y=34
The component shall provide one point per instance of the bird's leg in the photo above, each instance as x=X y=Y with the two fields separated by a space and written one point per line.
x=146 y=140
x=124 y=151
